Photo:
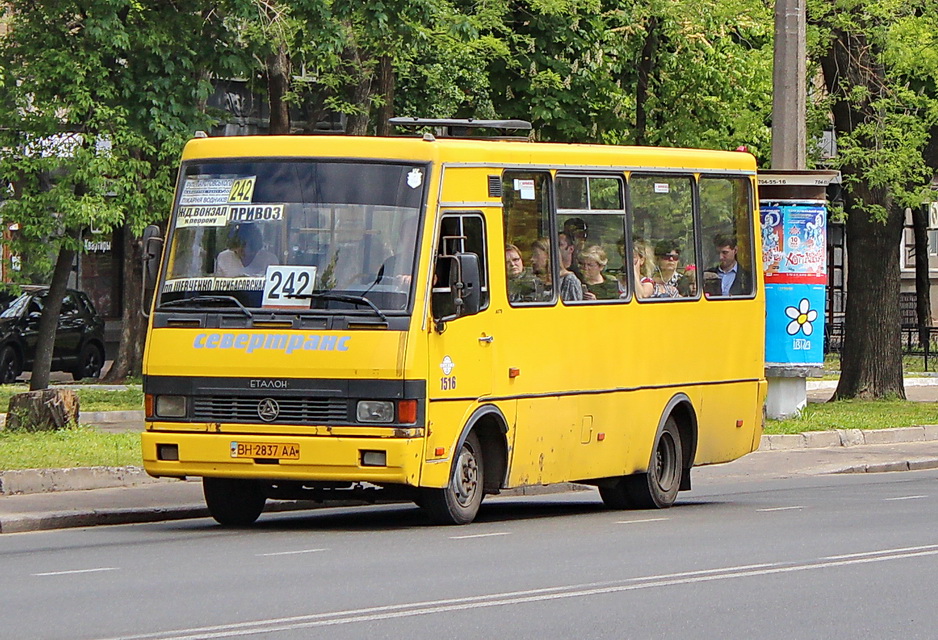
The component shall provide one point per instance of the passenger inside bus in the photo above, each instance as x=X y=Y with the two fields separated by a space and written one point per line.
x=571 y=289
x=642 y=269
x=598 y=285
x=245 y=255
x=576 y=231
x=726 y=278
x=523 y=285
x=667 y=276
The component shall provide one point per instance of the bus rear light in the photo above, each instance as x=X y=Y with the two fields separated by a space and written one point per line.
x=407 y=411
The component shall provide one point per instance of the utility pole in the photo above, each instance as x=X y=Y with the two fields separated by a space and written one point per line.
x=790 y=89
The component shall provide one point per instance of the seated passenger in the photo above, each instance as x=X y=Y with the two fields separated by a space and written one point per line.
x=571 y=289
x=727 y=278
x=598 y=285
x=523 y=286
x=245 y=255
x=666 y=275
x=641 y=267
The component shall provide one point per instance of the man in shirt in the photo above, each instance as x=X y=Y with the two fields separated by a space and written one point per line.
x=727 y=278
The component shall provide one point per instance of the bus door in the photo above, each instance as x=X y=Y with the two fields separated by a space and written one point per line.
x=460 y=366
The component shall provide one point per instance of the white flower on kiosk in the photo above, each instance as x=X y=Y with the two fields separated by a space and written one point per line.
x=801 y=318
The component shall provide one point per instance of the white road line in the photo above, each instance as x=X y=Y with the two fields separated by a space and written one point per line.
x=903 y=498
x=288 y=553
x=67 y=573
x=639 y=521
x=511 y=598
x=866 y=554
x=780 y=509
x=480 y=535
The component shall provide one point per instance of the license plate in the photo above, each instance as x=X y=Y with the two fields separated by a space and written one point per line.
x=279 y=450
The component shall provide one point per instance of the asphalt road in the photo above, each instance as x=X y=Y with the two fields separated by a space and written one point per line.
x=833 y=556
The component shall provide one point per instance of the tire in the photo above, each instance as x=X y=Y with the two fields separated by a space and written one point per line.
x=657 y=489
x=233 y=503
x=90 y=361
x=10 y=366
x=459 y=502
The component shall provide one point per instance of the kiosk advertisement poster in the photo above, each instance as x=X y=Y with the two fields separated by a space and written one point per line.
x=794 y=261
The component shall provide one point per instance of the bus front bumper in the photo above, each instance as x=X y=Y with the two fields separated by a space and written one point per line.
x=307 y=458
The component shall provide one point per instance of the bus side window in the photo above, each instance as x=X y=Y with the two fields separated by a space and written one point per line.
x=663 y=225
x=591 y=217
x=725 y=214
x=526 y=208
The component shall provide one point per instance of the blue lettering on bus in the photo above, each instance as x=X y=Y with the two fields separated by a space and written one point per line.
x=273 y=342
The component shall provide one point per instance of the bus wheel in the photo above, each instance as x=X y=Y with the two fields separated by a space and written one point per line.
x=459 y=502
x=233 y=502
x=657 y=489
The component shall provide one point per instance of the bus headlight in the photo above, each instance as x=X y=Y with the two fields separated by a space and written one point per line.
x=375 y=411
x=171 y=406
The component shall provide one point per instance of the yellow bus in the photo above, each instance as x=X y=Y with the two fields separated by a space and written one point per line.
x=437 y=318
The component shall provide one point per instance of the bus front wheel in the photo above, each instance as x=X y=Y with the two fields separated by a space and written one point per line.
x=233 y=502
x=458 y=502
x=658 y=487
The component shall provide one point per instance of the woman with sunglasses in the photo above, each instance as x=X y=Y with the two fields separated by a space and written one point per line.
x=668 y=258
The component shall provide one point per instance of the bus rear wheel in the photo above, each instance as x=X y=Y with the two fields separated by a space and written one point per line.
x=233 y=502
x=459 y=501
x=658 y=487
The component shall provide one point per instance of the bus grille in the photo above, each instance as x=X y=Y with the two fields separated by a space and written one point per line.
x=292 y=410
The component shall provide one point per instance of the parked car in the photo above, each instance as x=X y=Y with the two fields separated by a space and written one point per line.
x=79 y=337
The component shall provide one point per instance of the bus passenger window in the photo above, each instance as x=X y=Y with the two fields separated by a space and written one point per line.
x=725 y=214
x=529 y=270
x=591 y=229
x=663 y=226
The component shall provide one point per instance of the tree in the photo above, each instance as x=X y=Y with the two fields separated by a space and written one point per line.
x=98 y=98
x=884 y=107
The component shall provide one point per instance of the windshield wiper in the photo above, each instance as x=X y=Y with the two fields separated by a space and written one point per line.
x=182 y=302
x=342 y=297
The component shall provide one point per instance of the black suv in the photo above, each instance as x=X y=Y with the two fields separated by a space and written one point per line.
x=79 y=337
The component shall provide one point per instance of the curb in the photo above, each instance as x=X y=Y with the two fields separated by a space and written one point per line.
x=848 y=438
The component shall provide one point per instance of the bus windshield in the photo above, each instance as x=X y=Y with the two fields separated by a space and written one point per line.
x=295 y=235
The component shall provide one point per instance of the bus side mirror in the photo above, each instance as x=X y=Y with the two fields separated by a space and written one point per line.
x=463 y=293
x=152 y=252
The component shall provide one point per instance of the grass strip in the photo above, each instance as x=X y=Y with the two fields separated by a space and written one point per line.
x=80 y=446
x=857 y=414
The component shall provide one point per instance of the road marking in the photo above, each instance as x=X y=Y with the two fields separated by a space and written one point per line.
x=288 y=553
x=780 y=509
x=903 y=498
x=480 y=535
x=512 y=598
x=866 y=554
x=67 y=573
x=640 y=521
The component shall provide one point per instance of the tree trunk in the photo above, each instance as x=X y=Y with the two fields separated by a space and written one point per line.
x=129 y=358
x=922 y=279
x=871 y=359
x=386 y=91
x=359 y=92
x=645 y=66
x=45 y=341
x=278 y=84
